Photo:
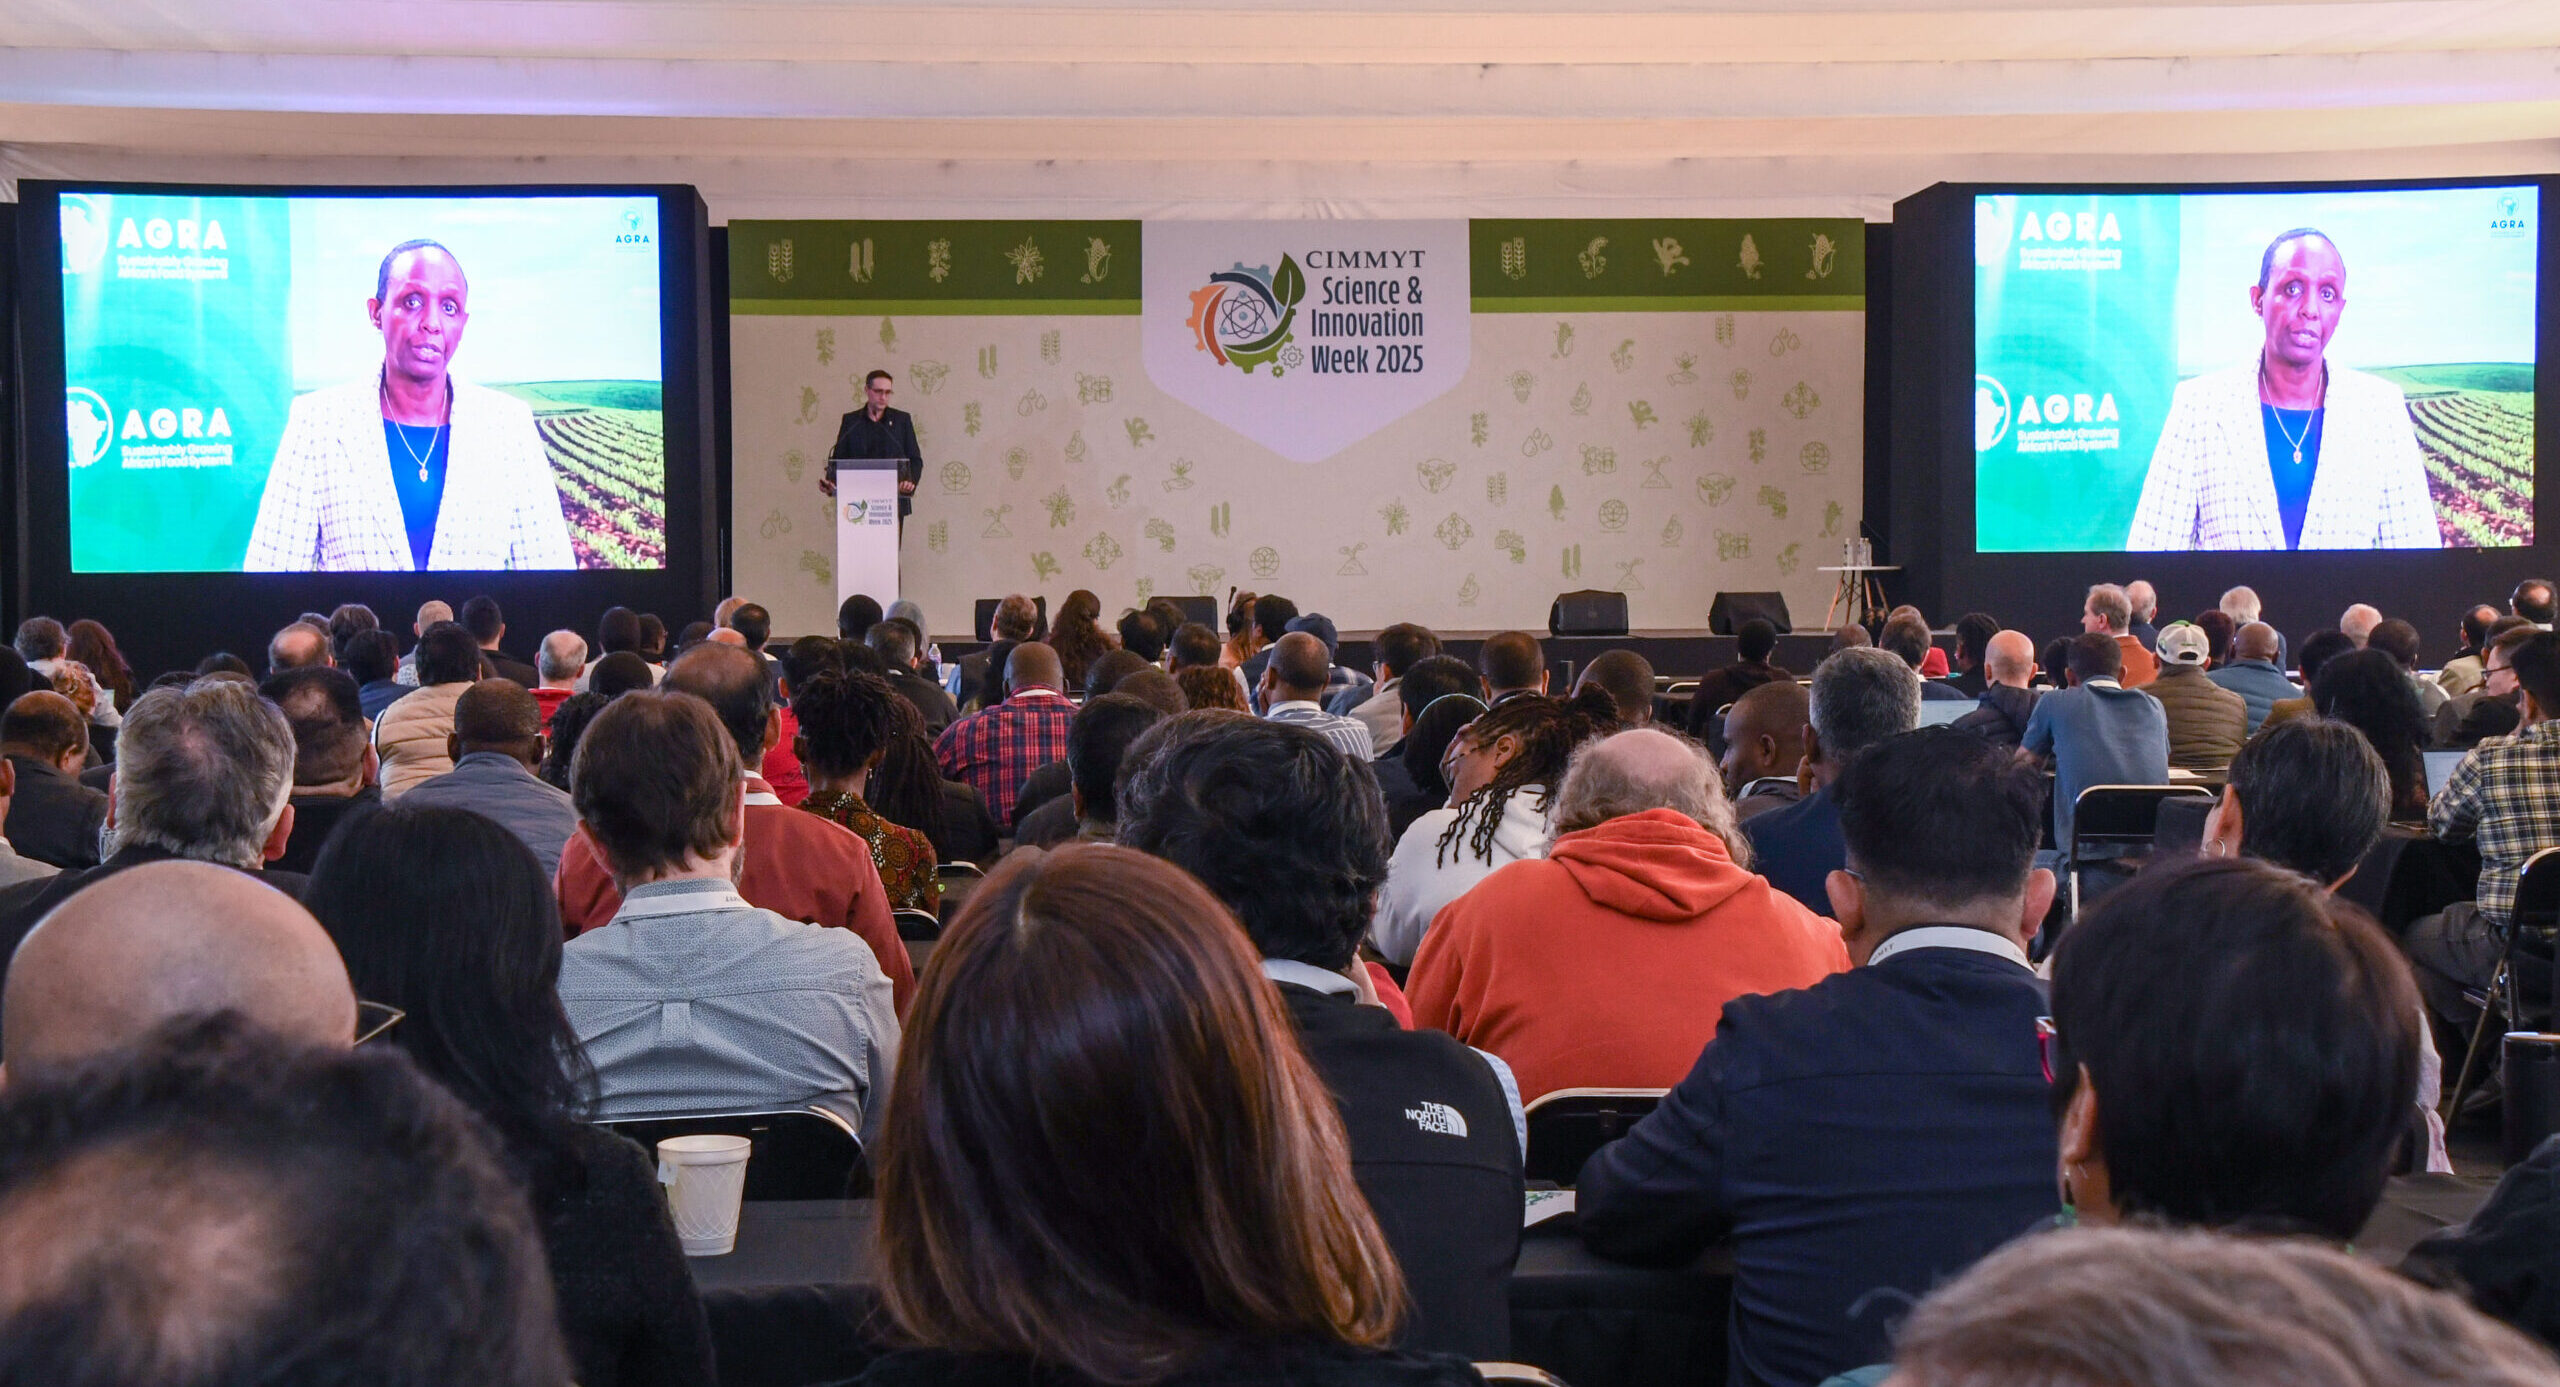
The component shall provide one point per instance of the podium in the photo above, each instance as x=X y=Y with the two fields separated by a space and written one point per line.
x=866 y=527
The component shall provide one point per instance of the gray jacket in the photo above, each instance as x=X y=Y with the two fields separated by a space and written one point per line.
x=496 y=786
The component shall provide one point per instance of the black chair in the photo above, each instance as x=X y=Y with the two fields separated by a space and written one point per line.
x=2535 y=916
x=797 y=1153
x=920 y=931
x=957 y=880
x=1566 y=1126
x=2116 y=816
x=1516 y=1375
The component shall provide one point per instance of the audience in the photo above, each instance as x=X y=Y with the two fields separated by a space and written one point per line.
x=2144 y=600
x=558 y=662
x=568 y=721
x=414 y=736
x=1288 y=833
x=218 y=1205
x=1292 y=689
x=2536 y=600
x=1343 y=687
x=2399 y=640
x=1764 y=747
x=2207 y=723
x=1501 y=770
x=334 y=770
x=1142 y=635
x=2461 y=674
x=2253 y=673
x=2505 y=796
x=2165 y=1118
x=2318 y=649
x=1974 y=631
x=1605 y=963
x=2370 y=691
x=779 y=1013
x=846 y=724
x=2008 y=699
x=900 y=645
x=857 y=615
x=2108 y=612
x=1077 y=636
x=1627 y=678
x=2218 y=632
x=372 y=658
x=996 y=748
x=1864 y=1139
x=1409 y=777
x=443 y=915
x=791 y=864
x=1754 y=642
x=2357 y=624
x=1243 y=638
x=495 y=745
x=488 y=626
x=1176 y=1215
x=620 y=632
x=52 y=818
x=2096 y=732
x=42 y=642
x=1907 y=638
x=1097 y=743
x=1858 y=699
x=1399 y=648
x=13 y=867
x=982 y=674
x=430 y=613
x=299 y=646
x=1272 y=614
x=2122 y=1307
x=909 y=790
x=2495 y=707
x=1513 y=664
x=1212 y=686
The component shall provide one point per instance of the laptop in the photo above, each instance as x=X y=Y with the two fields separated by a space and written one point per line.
x=2440 y=766
x=1937 y=712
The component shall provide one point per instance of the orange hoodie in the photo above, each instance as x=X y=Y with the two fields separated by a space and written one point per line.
x=1608 y=963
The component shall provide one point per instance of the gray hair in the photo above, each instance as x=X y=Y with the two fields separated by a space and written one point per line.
x=203 y=772
x=2110 y=602
x=1861 y=696
x=2358 y=622
x=563 y=654
x=2097 y=1307
x=429 y=613
x=2145 y=599
x=1647 y=768
x=2241 y=605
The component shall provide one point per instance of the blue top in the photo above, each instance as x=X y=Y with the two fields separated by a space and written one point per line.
x=2097 y=734
x=421 y=487
x=2293 y=480
x=1798 y=848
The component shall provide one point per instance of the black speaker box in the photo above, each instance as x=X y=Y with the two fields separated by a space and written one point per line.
x=1589 y=612
x=1732 y=609
x=1201 y=609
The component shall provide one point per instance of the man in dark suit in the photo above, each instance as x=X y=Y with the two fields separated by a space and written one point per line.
x=1753 y=644
x=1867 y=1138
x=877 y=431
x=1860 y=697
x=1277 y=822
x=1015 y=617
x=900 y=646
x=53 y=817
x=488 y=625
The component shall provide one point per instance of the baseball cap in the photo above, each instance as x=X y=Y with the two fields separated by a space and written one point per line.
x=1320 y=626
x=2184 y=643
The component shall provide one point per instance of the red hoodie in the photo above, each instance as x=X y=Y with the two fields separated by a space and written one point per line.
x=1608 y=963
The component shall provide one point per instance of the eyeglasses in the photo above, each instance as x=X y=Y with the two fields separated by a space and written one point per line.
x=2048 y=1035
x=373 y=1018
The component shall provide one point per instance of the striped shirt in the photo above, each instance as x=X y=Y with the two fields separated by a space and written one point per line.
x=1349 y=735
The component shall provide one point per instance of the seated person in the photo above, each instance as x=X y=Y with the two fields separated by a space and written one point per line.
x=1409 y=793
x=1398 y=649
x=1864 y=1139
x=2122 y=1307
x=1860 y=697
x=1908 y=637
x=496 y=743
x=2164 y=1118
x=53 y=818
x=2369 y=691
x=1754 y=642
x=1176 y=1215
x=1764 y=748
x=414 y=735
x=334 y=769
x=780 y=1014
x=846 y=723
x=1605 y=963
x=447 y=916
x=2253 y=674
x=2207 y=723
x=1096 y=742
x=2499 y=797
x=2096 y=732
x=1288 y=833
x=1627 y=678
x=2008 y=698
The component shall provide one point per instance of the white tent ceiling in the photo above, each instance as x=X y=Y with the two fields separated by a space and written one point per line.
x=1275 y=107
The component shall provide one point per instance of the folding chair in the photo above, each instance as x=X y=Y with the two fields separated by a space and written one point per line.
x=2116 y=815
x=797 y=1153
x=1516 y=1375
x=1566 y=1126
x=957 y=880
x=2535 y=913
x=920 y=931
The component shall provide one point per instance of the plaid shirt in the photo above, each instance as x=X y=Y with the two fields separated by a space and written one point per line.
x=995 y=749
x=2209 y=486
x=2507 y=794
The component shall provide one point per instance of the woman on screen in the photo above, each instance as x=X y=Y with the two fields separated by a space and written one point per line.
x=411 y=469
x=2288 y=452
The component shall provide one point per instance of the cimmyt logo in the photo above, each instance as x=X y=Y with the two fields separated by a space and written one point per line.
x=91 y=423
x=1991 y=413
x=1245 y=317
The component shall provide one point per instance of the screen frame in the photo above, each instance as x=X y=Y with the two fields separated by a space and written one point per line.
x=164 y=620
x=1928 y=519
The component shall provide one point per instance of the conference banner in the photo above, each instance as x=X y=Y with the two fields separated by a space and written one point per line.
x=1436 y=421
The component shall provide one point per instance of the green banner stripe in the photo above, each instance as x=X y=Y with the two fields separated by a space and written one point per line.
x=936 y=261
x=1694 y=303
x=956 y=308
x=1672 y=258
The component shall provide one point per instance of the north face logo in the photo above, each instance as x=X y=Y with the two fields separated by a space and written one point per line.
x=1439 y=1118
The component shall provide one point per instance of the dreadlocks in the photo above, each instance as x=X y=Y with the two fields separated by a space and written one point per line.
x=1548 y=729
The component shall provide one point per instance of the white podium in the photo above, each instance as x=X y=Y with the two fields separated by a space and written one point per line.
x=866 y=527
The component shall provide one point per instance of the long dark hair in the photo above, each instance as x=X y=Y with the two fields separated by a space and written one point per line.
x=95 y=646
x=1113 y=1157
x=1549 y=729
x=447 y=916
x=1077 y=635
x=2370 y=692
x=1438 y=722
x=906 y=787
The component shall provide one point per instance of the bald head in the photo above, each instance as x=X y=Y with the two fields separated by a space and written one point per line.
x=1764 y=732
x=1300 y=664
x=1034 y=663
x=298 y=646
x=2255 y=641
x=2358 y=622
x=2010 y=658
x=727 y=636
x=164 y=940
x=1640 y=770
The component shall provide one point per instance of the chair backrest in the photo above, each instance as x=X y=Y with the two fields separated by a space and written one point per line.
x=957 y=879
x=1516 y=1375
x=916 y=924
x=1566 y=1126
x=2537 y=904
x=799 y=1153
x=2124 y=813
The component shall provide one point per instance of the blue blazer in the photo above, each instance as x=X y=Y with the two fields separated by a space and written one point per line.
x=1859 y=1141
x=1798 y=848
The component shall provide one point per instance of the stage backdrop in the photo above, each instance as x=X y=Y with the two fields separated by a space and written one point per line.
x=1444 y=422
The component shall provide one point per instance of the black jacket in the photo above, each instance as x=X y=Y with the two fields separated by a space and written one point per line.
x=53 y=817
x=931 y=702
x=969 y=832
x=509 y=667
x=1433 y=1149
x=1859 y=1141
x=1723 y=686
x=892 y=435
x=1283 y=1365
x=2003 y=715
x=1406 y=801
x=627 y=1305
x=315 y=817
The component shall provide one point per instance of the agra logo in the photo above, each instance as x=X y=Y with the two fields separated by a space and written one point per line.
x=1244 y=318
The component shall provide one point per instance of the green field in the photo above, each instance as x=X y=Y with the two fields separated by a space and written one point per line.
x=2474 y=422
x=605 y=440
x=543 y=395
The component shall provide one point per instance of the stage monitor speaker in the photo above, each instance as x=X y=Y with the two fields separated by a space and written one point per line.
x=1732 y=609
x=986 y=627
x=1200 y=609
x=1590 y=612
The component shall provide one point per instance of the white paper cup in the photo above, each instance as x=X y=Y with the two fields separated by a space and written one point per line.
x=705 y=1177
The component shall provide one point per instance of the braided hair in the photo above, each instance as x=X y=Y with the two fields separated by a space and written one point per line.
x=906 y=787
x=1548 y=730
x=845 y=718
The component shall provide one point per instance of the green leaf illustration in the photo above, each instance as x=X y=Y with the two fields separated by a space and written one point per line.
x=1290 y=284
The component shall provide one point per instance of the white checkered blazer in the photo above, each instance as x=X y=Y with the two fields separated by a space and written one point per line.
x=2209 y=487
x=330 y=506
